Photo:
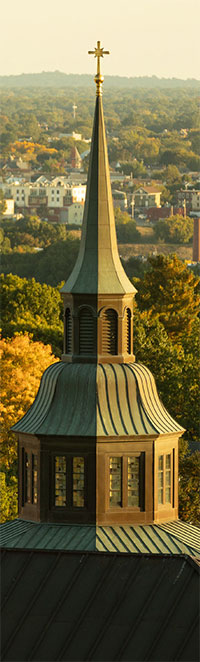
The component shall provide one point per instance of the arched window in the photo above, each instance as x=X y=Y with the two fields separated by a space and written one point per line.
x=68 y=331
x=110 y=332
x=127 y=331
x=86 y=331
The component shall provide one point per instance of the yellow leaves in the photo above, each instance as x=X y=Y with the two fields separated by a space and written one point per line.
x=23 y=363
x=29 y=150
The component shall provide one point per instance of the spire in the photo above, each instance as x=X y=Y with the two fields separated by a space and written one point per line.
x=98 y=269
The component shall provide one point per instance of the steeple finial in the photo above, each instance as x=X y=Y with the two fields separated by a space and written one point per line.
x=98 y=52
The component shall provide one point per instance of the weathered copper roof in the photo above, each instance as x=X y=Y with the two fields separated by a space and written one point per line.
x=97 y=400
x=98 y=269
x=168 y=538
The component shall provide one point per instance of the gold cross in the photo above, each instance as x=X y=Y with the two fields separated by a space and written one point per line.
x=98 y=52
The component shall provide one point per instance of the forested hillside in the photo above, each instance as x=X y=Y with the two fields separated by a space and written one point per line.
x=60 y=79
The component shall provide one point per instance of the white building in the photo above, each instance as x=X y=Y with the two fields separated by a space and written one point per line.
x=57 y=194
x=195 y=200
x=75 y=213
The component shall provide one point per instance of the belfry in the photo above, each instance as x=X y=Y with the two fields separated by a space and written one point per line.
x=97 y=446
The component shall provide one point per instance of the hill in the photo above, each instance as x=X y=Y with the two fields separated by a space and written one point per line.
x=60 y=79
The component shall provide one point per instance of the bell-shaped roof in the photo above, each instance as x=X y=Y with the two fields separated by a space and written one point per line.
x=97 y=401
x=98 y=269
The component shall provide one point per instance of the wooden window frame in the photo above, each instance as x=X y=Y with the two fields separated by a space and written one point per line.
x=172 y=456
x=28 y=500
x=124 y=481
x=69 y=483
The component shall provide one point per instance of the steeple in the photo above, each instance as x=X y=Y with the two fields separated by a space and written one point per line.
x=98 y=269
x=97 y=445
x=98 y=276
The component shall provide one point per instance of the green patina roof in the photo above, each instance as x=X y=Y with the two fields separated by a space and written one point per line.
x=98 y=269
x=97 y=400
x=171 y=538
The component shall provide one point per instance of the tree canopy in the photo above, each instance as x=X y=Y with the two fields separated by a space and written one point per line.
x=33 y=307
x=22 y=364
x=168 y=291
x=175 y=229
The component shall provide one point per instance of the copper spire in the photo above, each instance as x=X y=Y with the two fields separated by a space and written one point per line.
x=98 y=269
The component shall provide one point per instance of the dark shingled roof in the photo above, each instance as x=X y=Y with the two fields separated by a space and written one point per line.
x=77 y=606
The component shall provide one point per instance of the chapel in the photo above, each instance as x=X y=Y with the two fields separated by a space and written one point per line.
x=97 y=565
x=98 y=446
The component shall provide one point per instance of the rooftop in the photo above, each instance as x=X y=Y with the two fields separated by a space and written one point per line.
x=169 y=538
x=68 y=606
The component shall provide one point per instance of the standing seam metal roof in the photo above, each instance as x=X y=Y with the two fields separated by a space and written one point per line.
x=169 y=538
x=68 y=606
x=97 y=400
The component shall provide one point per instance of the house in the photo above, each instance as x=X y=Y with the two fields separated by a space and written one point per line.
x=191 y=197
x=148 y=196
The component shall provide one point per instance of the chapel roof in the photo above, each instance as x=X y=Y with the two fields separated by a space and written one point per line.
x=60 y=605
x=97 y=400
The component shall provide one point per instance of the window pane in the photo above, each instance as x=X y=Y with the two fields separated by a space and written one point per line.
x=27 y=477
x=133 y=481
x=168 y=478
x=115 y=481
x=78 y=482
x=34 y=478
x=60 y=481
x=160 y=479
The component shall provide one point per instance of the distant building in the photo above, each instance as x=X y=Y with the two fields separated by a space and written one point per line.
x=191 y=197
x=75 y=213
x=55 y=196
x=119 y=199
x=145 y=197
x=157 y=213
x=74 y=135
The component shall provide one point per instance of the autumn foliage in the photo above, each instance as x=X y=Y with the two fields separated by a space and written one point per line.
x=22 y=364
x=30 y=150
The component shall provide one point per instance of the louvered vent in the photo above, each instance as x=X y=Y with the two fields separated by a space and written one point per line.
x=68 y=331
x=109 y=332
x=127 y=331
x=86 y=332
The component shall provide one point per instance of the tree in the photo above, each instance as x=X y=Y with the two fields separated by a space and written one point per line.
x=172 y=178
x=22 y=363
x=168 y=291
x=189 y=475
x=175 y=367
x=175 y=229
x=2 y=204
x=32 y=307
x=127 y=233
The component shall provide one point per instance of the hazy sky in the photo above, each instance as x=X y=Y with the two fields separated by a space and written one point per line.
x=145 y=37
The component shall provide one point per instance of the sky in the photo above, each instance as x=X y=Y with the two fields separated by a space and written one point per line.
x=144 y=37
